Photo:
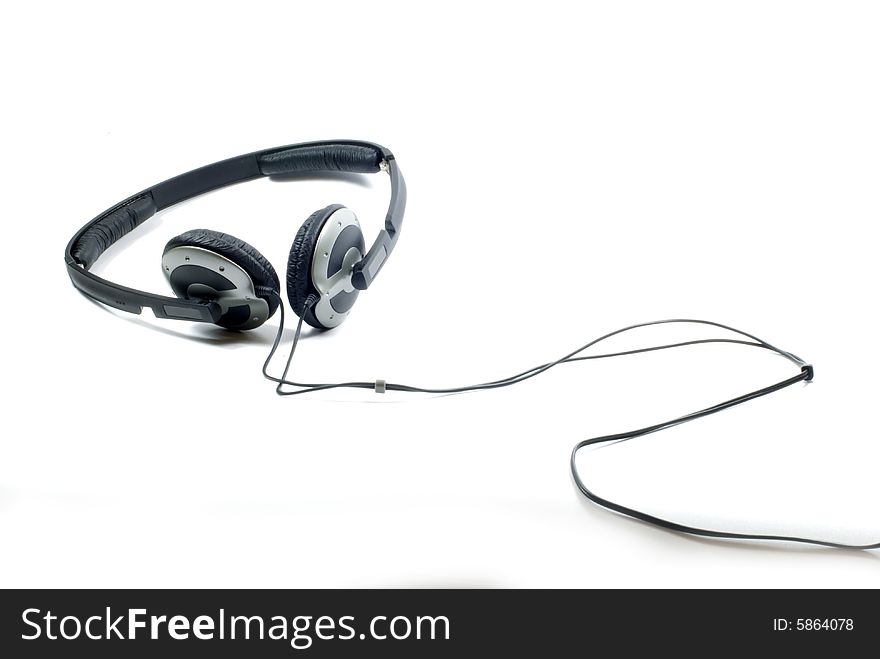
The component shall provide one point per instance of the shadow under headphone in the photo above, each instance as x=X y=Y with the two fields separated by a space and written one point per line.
x=221 y=279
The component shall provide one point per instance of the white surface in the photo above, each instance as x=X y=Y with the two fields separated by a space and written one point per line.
x=572 y=168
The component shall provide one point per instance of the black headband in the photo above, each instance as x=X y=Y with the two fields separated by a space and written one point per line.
x=332 y=156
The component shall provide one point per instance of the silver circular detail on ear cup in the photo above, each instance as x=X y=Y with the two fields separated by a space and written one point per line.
x=231 y=286
x=330 y=285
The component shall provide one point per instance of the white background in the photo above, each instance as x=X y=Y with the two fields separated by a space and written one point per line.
x=572 y=168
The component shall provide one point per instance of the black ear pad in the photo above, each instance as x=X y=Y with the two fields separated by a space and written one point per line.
x=299 y=265
x=258 y=268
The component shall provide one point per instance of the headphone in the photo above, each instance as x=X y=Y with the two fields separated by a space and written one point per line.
x=221 y=279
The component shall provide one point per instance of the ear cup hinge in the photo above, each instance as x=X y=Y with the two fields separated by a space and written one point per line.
x=205 y=311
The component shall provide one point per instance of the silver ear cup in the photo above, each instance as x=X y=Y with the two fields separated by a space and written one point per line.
x=339 y=247
x=198 y=273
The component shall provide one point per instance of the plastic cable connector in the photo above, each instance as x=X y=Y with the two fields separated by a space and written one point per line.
x=380 y=386
x=808 y=369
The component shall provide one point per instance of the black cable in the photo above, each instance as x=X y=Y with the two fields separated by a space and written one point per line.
x=805 y=375
x=311 y=300
x=308 y=387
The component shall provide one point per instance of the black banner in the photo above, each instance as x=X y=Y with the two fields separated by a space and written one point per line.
x=430 y=623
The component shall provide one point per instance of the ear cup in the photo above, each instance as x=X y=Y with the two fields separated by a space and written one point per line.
x=299 y=265
x=258 y=268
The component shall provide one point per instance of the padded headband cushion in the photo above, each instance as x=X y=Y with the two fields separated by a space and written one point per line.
x=239 y=252
x=321 y=158
x=299 y=265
